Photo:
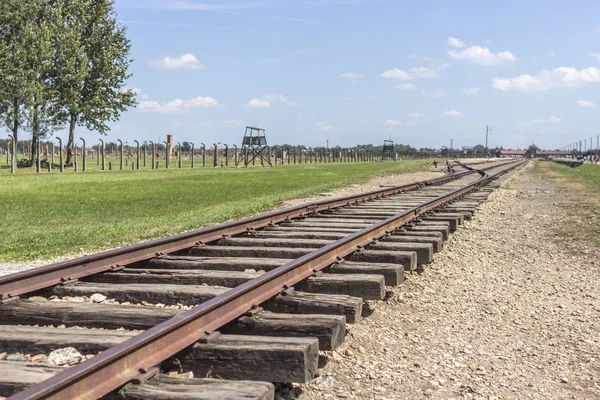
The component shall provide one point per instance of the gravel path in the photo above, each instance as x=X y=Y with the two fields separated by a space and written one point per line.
x=508 y=310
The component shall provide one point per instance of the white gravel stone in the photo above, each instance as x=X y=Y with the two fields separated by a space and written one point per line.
x=65 y=356
x=97 y=298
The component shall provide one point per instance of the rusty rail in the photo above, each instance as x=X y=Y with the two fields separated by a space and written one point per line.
x=137 y=358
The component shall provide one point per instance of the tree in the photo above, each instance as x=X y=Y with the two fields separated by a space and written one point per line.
x=42 y=113
x=17 y=39
x=28 y=33
x=93 y=62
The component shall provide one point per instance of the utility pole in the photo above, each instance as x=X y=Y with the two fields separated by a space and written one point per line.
x=487 y=129
x=452 y=144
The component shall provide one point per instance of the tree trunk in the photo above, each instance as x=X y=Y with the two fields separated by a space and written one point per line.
x=35 y=137
x=15 y=129
x=71 y=140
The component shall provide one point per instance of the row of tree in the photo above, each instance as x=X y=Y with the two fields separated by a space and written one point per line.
x=62 y=63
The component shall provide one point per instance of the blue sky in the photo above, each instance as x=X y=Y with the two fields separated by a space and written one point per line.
x=362 y=71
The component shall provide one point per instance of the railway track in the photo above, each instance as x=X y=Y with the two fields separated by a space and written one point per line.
x=240 y=305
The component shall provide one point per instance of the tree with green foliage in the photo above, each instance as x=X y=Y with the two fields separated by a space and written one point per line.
x=17 y=54
x=92 y=65
x=42 y=114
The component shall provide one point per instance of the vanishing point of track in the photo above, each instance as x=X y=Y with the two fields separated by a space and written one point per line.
x=321 y=259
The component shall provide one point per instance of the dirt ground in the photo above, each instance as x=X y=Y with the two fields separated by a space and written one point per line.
x=508 y=310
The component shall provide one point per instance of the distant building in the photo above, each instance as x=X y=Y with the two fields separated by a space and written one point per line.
x=511 y=153
x=532 y=152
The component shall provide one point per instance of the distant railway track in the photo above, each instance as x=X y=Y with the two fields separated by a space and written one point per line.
x=253 y=300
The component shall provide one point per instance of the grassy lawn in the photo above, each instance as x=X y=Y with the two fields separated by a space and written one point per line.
x=48 y=215
x=582 y=185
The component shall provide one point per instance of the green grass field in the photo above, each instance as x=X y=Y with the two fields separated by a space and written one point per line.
x=586 y=174
x=582 y=185
x=47 y=215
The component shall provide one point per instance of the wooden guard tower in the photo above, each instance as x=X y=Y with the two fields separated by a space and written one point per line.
x=254 y=146
x=388 y=149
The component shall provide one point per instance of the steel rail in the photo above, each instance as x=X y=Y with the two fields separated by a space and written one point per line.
x=13 y=285
x=137 y=357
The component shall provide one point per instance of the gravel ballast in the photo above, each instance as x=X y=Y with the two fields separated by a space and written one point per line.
x=508 y=310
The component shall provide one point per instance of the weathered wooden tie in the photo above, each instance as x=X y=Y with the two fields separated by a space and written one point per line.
x=164 y=387
x=260 y=358
x=36 y=340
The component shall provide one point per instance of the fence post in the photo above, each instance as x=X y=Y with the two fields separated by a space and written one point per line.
x=179 y=162
x=192 y=154
x=167 y=155
x=137 y=154
x=101 y=153
x=62 y=166
x=75 y=156
x=215 y=154
x=37 y=155
x=203 y=155
x=153 y=152
x=121 y=159
x=83 y=154
x=13 y=159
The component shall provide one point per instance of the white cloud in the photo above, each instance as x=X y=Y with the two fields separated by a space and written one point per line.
x=470 y=91
x=452 y=114
x=274 y=98
x=267 y=101
x=324 y=127
x=415 y=115
x=414 y=73
x=347 y=99
x=351 y=75
x=396 y=73
x=186 y=62
x=550 y=120
x=482 y=56
x=547 y=79
x=454 y=42
x=553 y=119
x=406 y=86
x=586 y=104
x=438 y=94
x=257 y=103
x=177 y=105
x=596 y=56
